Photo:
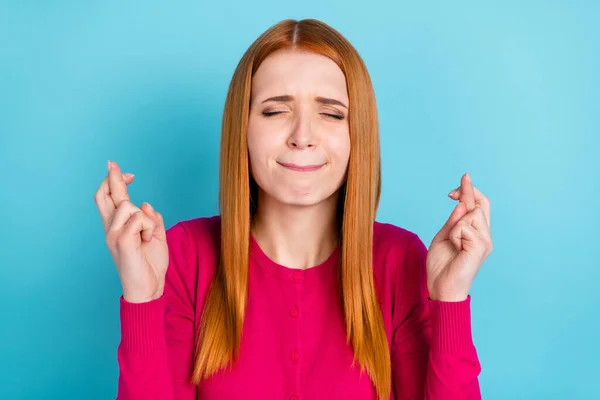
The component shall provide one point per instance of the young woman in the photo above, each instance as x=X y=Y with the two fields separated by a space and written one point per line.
x=294 y=291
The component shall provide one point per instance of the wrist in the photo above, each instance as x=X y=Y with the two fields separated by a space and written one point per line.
x=137 y=299
x=449 y=297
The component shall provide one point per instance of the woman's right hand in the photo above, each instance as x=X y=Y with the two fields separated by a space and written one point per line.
x=135 y=237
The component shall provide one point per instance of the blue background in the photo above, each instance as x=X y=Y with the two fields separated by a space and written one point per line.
x=506 y=90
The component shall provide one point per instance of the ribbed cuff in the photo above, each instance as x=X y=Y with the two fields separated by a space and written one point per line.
x=451 y=325
x=142 y=325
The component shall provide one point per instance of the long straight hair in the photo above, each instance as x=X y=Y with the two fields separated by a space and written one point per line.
x=222 y=318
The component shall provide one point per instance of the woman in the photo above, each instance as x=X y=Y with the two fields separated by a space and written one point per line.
x=294 y=291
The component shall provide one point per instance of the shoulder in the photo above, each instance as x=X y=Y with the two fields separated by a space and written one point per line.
x=194 y=237
x=389 y=238
x=399 y=255
x=194 y=246
x=200 y=230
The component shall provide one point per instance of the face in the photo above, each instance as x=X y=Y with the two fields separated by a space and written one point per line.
x=298 y=136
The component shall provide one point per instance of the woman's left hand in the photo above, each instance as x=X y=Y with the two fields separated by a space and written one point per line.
x=458 y=250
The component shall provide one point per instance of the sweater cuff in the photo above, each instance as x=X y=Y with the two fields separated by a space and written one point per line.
x=451 y=325
x=142 y=325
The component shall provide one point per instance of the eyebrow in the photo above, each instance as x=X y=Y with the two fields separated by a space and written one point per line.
x=322 y=100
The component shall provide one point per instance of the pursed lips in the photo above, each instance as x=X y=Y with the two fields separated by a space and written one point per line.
x=301 y=168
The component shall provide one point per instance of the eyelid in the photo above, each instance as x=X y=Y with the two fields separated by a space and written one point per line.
x=339 y=117
x=272 y=112
x=335 y=112
x=330 y=113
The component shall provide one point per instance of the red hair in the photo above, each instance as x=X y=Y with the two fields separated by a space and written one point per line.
x=223 y=314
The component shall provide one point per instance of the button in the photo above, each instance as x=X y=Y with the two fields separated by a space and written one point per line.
x=297 y=275
x=294 y=312
x=294 y=355
x=294 y=397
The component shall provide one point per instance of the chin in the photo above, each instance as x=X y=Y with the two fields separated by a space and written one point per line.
x=303 y=198
x=298 y=192
x=301 y=202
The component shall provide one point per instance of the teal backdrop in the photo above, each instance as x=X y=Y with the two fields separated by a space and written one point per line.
x=505 y=90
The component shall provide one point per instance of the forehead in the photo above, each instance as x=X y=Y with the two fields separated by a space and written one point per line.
x=296 y=72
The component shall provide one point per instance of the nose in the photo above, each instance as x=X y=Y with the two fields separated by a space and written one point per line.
x=302 y=135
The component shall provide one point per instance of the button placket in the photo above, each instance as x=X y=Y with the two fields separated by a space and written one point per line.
x=296 y=276
x=295 y=355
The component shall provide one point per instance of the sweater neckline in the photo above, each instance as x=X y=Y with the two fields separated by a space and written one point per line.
x=328 y=266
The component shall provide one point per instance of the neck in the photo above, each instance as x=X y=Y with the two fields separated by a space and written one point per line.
x=296 y=236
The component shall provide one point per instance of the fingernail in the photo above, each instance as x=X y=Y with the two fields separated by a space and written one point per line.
x=468 y=177
x=109 y=164
x=150 y=208
x=452 y=193
x=129 y=175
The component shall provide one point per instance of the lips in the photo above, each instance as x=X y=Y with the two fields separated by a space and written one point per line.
x=301 y=168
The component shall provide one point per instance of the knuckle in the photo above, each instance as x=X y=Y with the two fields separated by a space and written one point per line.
x=137 y=215
x=123 y=204
x=485 y=243
x=126 y=205
x=120 y=243
x=454 y=231
x=120 y=198
x=123 y=238
x=98 y=196
x=111 y=238
x=151 y=222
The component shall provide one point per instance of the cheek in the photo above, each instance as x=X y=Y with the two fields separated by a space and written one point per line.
x=339 y=146
x=259 y=148
x=256 y=140
x=260 y=151
x=265 y=140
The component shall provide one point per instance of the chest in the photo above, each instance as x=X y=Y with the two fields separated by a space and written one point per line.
x=293 y=347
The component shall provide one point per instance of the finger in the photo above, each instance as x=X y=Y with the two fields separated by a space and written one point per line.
x=159 y=230
x=103 y=200
x=480 y=200
x=128 y=177
x=138 y=223
x=467 y=195
x=119 y=219
x=461 y=234
x=478 y=221
x=458 y=212
x=116 y=184
x=160 y=233
x=126 y=211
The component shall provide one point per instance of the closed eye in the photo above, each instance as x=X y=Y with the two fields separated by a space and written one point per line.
x=338 y=117
x=271 y=113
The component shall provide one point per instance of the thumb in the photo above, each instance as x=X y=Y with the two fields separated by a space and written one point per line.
x=159 y=229
x=459 y=211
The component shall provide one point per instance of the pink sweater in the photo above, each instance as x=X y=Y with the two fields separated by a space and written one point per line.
x=294 y=340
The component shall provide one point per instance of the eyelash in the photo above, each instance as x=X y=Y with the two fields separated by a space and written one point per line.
x=269 y=114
